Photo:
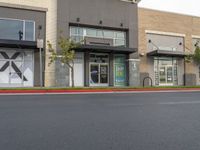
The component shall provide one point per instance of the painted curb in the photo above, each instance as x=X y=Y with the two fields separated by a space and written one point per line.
x=97 y=91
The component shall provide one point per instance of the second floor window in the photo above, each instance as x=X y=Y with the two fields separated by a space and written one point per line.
x=78 y=34
x=11 y=29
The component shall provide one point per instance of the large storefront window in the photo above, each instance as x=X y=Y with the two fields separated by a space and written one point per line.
x=12 y=29
x=16 y=68
x=79 y=33
x=166 y=72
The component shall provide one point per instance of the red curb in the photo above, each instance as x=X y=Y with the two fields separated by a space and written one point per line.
x=94 y=90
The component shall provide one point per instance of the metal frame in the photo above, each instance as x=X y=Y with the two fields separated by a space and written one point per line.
x=114 y=68
x=158 y=70
x=99 y=64
x=24 y=27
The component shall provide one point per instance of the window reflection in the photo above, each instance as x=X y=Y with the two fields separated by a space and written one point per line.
x=14 y=29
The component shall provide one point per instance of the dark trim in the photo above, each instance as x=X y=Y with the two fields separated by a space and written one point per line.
x=106 y=49
x=98 y=27
x=18 y=44
x=164 y=53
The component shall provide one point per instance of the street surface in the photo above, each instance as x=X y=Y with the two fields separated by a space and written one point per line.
x=144 y=121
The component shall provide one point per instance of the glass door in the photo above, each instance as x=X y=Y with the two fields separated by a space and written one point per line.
x=94 y=74
x=166 y=75
x=103 y=74
x=98 y=74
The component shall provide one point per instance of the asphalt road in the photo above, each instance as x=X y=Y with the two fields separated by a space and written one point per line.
x=159 y=121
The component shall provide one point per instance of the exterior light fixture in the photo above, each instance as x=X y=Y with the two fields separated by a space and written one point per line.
x=121 y=24
x=100 y=22
x=77 y=19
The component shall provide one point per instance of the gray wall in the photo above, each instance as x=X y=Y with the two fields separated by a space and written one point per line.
x=111 y=12
x=40 y=19
x=90 y=12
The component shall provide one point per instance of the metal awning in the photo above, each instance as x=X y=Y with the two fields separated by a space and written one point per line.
x=107 y=48
x=18 y=44
x=164 y=53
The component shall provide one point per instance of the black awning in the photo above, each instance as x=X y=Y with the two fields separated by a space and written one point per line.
x=107 y=49
x=164 y=53
x=18 y=44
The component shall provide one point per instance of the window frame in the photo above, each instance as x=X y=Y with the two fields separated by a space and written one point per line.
x=24 y=26
x=114 y=38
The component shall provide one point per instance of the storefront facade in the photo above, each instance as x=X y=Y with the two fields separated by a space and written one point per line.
x=108 y=43
x=163 y=44
x=18 y=51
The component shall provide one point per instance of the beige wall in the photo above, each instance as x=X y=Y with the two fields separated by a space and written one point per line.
x=169 y=23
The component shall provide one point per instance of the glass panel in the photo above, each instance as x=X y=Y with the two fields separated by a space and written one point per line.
x=29 y=31
x=156 y=69
x=10 y=29
x=103 y=74
x=100 y=33
x=91 y=32
x=4 y=71
x=162 y=75
x=109 y=34
x=76 y=31
x=119 y=42
x=169 y=74
x=99 y=58
x=94 y=72
x=120 y=35
x=16 y=75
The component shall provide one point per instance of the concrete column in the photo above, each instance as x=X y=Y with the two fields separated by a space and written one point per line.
x=87 y=63
x=134 y=76
x=111 y=69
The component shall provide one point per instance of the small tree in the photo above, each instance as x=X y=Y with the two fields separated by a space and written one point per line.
x=65 y=54
x=196 y=55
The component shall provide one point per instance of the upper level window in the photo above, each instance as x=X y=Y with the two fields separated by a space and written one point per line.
x=12 y=29
x=78 y=34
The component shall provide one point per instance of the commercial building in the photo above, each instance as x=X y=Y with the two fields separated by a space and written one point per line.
x=108 y=30
x=19 y=56
x=164 y=40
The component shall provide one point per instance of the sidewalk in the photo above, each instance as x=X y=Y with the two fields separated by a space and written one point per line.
x=101 y=90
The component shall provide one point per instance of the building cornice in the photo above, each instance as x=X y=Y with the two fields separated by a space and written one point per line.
x=196 y=36
x=25 y=7
x=165 y=33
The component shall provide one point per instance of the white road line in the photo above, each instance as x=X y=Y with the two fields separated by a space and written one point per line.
x=178 y=103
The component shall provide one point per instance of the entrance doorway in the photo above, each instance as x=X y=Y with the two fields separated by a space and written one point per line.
x=165 y=71
x=166 y=75
x=99 y=70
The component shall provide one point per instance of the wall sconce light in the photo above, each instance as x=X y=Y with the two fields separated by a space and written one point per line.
x=149 y=41
x=180 y=43
x=40 y=27
x=142 y=54
x=77 y=19
x=101 y=22
x=121 y=24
